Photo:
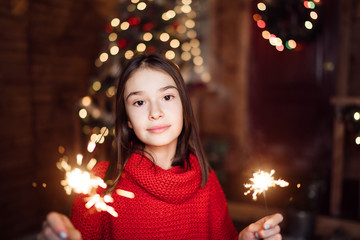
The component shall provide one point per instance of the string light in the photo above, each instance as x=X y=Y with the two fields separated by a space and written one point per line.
x=261 y=18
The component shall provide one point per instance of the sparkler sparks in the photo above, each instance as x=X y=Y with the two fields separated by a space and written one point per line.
x=83 y=181
x=261 y=181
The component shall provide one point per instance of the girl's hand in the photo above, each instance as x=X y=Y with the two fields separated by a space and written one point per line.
x=57 y=226
x=266 y=228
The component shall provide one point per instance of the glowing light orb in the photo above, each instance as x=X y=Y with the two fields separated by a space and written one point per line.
x=261 y=181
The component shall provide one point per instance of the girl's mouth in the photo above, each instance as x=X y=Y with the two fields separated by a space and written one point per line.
x=158 y=129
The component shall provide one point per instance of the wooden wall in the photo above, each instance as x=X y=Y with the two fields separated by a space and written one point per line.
x=46 y=59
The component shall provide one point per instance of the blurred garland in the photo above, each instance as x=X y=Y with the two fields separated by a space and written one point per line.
x=286 y=22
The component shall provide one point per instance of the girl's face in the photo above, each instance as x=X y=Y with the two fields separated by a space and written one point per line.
x=154 y=108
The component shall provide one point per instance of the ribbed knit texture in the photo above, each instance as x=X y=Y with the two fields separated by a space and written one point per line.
x=168 y=204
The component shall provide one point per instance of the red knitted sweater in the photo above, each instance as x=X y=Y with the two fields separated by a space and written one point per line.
x=168 y=204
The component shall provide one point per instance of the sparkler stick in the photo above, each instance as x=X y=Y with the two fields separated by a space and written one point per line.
x=261 y=181
x=81 y=181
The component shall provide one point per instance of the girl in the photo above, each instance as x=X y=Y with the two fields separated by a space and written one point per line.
x=160 y=159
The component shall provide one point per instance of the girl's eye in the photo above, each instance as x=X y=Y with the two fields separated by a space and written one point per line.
x=139 y=103
x=168 y=97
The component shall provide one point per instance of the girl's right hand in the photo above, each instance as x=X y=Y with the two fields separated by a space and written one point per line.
x=58 y=226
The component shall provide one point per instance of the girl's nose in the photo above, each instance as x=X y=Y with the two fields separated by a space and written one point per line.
x=155 y=111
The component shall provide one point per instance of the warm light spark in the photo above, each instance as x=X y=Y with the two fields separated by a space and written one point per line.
x=100 y=204
x=81 y=181
x=125 y=193
x=261 y=181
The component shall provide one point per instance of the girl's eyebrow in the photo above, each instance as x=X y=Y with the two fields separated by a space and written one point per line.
x=132 y=93
x=161 y=89
x=167 y=87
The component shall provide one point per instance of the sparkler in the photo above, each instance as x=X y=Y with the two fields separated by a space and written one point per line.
x=261 y=181
x=83 y=181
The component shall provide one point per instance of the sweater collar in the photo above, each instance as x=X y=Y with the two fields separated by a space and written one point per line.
x=173 y=186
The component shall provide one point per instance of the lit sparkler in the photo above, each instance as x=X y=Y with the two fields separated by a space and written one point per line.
x=261 y=181
x=83 y=181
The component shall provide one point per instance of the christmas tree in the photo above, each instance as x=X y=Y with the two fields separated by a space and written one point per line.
x=147 y=26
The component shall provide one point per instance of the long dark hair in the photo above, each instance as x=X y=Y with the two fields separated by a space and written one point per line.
x=127 y=142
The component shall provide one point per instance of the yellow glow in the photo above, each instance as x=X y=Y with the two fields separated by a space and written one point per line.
x=174 y=43
x=164 y=37
x=190 y=23
x=100 y=204
x=141 y=6
x=261 y=181
x=298 y=185
x=82 y=113
x=198 y=60
x=124 y=26
x=274 y=41
x=91 y=146
x=186 y=2
x=357 y=140
x=195 y=43
x=104 y=131
x=177 y=9
x=199 y=69
x=170 y=54
x=101 y=138
x=34 y=184
x=170 y=14
x=96 y=113
x=308 y=25
x=261 y=6
x=98 y=63
x=313 y=15
x=186 y=56
x=108 y=199
x=93 y=137
x=147 y=36
x=181 y=29
x=86 y=101
x=141 y=47
x=115 y=22
x=191 y=14
x=124 y=193
x=195 y=51
x=206 y=77
x=91 y=163
x=134 y=1
x=165 y=17
x=357 y=116
x=191 y=34
x=186 y=46
x=129 y=54
x=112 y=37
x=185 y=8
x=111 y=91
x=44 y=185
x=96 y=86
x=104 y=57
x=265 y=34
x=61 y=149
x=114 y=50
x=292 y=44
x=79 y=159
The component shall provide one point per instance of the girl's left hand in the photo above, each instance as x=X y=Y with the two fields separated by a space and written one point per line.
x=266 y=228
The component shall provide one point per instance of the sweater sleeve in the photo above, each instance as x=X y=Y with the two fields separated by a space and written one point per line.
x=222 y=225
x=91 y=223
